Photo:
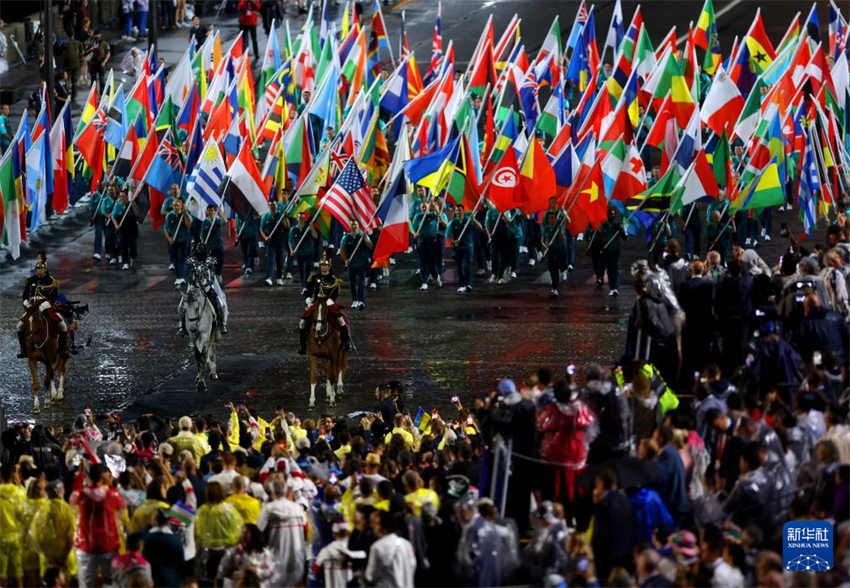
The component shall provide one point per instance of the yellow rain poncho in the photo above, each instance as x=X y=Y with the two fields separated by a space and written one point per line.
x=217 y=526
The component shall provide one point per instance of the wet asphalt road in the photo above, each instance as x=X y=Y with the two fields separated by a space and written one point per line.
x=439 y=343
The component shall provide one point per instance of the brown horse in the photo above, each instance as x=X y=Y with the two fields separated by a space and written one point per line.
x=42 y=345
x=325 y=343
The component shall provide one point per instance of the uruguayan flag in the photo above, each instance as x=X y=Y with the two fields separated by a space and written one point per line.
x=202 y=187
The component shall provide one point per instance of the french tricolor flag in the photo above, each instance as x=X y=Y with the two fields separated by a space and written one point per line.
x=395 y=231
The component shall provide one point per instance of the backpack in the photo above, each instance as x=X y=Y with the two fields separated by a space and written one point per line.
x=654 y=318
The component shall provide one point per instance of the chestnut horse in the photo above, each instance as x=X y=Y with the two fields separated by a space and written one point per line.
x=325 y=343
x=42 y=345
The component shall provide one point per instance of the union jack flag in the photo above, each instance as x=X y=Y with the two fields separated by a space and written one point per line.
x=350 y=199
x=436 y=48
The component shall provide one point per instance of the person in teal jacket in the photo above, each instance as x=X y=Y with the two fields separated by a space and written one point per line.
x=96 y=219
x=356 y=251
x=177 y=230
x=302 y=250
x=461 y=233
x=425 y=235
x=107 y=203
x=246 y=235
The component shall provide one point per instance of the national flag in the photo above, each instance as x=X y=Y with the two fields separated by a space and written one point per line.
x=723 y=104
x=393 y=214
x=697 y=183
x=808 y=186
x=553 y=116
x=62 y=152
x=591 y=199
x=616 y=30
x=299 y=157
x=127 y=154
x=630 y=178
x=507 y=136
x=759 y=45
x=205 y=182
x=436 y=48
x=689 y=144
x=433 y=170
x=12 y=192
x=463 y=185
x=503 y=187
x=721 y=163
x=566 y=166
x=536 y=179
x=837 y=31
x=750 y=114
x=89 y=109
x=763 y=191
x=166 y=168
x=812 y=25
x=657 y=198
x=351 y=199
x=35 y=178
x=377 y=39
x=578 y=24
x=246 y=194
x=705 y=37
x=90 y=144
x=585 y=59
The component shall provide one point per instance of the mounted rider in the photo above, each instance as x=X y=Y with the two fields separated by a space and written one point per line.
x=201 y=275
x=41 y=291
x=323 y=285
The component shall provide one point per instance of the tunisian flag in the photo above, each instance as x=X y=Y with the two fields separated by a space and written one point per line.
x=504 y=191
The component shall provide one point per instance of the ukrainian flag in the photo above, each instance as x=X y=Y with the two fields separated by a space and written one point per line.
x=434 y=170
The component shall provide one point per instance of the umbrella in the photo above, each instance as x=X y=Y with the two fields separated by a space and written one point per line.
x=631 y=472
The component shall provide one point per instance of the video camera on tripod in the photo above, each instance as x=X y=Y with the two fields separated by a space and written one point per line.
x=77 y=309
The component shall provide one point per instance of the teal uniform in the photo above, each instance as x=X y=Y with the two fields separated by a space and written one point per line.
x=247 y=230
x=106 y=206
x=428 y=232
x=176 y=228
x=362 y=258
x=456 y=228
x=268 y=222
x=213 y=229
x=306 y=247
x=515 y=226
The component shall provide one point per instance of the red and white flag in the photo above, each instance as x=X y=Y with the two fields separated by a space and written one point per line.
x=723 y=105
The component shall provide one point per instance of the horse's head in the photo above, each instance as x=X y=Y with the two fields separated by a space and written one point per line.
x=36 y=327
x=320 y=317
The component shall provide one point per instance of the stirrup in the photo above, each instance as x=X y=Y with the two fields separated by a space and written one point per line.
x=181 y=331
x=22 y=355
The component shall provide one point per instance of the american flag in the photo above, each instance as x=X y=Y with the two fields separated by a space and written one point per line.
x=350 y=199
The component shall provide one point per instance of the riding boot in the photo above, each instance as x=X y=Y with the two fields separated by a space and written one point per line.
x=345 y=337
x=63 y=345
x=22 y=339
x=219 y=313
x=302 y=350
x=181 y=325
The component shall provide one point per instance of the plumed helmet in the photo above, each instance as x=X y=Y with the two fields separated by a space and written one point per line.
x=201 y=251
x=325 y=261
x=41 y=260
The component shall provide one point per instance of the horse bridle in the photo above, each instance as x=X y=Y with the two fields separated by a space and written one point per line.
x=321 y=332
x=193 y=295
x=46 y=331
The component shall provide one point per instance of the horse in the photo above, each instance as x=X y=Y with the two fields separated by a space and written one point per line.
x=201 y=324
x=42 y=345
x=325 y=343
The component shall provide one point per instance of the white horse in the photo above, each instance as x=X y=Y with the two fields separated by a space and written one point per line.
x=201 y=323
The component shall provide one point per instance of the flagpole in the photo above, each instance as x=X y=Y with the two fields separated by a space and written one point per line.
x=483 y=102
x=725 y=226
x=212 y=223
x=132 y=201
x=301 y=240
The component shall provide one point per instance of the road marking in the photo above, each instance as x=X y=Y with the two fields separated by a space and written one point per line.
x=86 y=288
